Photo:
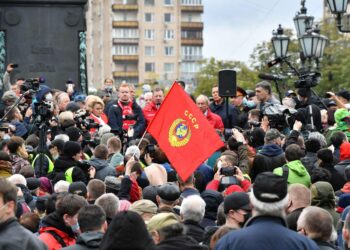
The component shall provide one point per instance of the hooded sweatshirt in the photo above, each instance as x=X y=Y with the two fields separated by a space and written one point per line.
x=297 y=173
x=87 y=240
x=102 y=168
x=341 y=125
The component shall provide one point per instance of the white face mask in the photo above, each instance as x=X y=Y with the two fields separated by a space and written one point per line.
x=48 y=97
x=219 y=164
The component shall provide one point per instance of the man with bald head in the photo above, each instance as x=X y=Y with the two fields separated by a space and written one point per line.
x=215 y=120
x=299 y=198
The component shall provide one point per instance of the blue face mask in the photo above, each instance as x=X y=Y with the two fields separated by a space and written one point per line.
x=75 y=228
x=249 y=104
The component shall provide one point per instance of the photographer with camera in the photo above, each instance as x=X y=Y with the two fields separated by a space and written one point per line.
x=5 y=84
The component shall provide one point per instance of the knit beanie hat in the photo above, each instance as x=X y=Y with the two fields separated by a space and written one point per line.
x=74 y=133
x=71 y=148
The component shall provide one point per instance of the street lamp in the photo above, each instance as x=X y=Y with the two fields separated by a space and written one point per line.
x=338 y=8
x=309 y=43
x=302 y=21
x=280 y=42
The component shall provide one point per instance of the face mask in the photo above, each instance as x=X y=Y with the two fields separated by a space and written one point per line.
x=249 y=104
x=55 y=157
x=75 y=228
x=6 y=137
x=219 y=164
x=109 y=88
x=246 y=218
x=48 y=97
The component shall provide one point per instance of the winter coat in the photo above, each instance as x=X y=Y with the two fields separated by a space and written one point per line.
x=297 y=173
x=269 y=157
x=102 y=168
x=63 y=163
x=182 y=242
x=15 y=237
x=54 y=231
x=268 y=233
x=5 y=169
x=87 y=241
x=18 y=163
x=309 y=161
x=292 y=218
x=340 y=167
x=337 y=180
x=220 y=109
x=194 y=230
x=115 y=119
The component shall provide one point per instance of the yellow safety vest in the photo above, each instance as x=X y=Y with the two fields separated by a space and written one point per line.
x=51 y=165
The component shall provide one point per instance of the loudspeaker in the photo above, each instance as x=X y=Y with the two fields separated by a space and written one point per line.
x=227 y=83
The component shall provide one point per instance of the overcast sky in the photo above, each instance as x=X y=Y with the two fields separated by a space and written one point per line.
x=232 y=28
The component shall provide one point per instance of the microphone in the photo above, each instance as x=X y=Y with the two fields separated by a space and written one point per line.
x=275 y=61
x=271 y=77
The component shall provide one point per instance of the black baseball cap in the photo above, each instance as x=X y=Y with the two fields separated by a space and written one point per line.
x=269 y=187
x=169 y=192
x=237 y=200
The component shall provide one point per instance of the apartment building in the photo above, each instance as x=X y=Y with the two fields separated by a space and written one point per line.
x=149 y=40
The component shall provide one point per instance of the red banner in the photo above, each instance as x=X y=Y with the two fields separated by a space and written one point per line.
x=183 y=132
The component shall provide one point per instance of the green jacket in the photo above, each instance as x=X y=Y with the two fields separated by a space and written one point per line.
x=297 y=173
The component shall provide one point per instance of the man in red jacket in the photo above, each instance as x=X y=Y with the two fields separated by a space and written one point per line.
x=150 y=110
x=60 y=228
x=215 y=120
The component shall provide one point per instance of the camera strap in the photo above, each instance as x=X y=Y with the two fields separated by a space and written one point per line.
x=285 y=172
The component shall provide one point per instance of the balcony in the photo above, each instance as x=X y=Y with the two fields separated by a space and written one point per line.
x=125 y=57
x=125 y=73
x=192 y=8
x=120 y=7
x=125 y=40
x=125 y=24
x=192 y=25
x=191 y=58
x=198 y=42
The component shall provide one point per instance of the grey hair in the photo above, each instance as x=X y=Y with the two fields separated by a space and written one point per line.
x=109 y=203
x=320 y=137
x=206 y=99
x=265 y=85
x=273 y=208
x=193 y=208
x=17 y=179
x=62 y=137
x=61 y=186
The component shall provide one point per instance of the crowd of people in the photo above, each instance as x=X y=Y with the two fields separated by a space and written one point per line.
x=81 y=172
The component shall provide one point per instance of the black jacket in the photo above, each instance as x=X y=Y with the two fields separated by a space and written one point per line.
x=337 y=181
x=86 y=241
x=15 y=237
x=115 y=119
x=194 y=230
x=182 y=242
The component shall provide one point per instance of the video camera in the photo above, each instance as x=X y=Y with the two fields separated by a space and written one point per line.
x=308 y=80
x=83 y=121
x=30 y=84
x=279 y=116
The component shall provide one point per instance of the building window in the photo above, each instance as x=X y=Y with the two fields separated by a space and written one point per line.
x=149 y=2
x=169 y=67
x=149 y=67
x=126 y=33
x=169 y=34
x=191 y=2
x=191 y=52
x=149 y=17
x=149 y=51
x=169 y=50
x=168 y=17
x=126 y=50
x=168 y=2
x=149 y=34
x=190 y=67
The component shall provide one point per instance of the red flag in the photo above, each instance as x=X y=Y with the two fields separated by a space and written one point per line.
x=183 y=132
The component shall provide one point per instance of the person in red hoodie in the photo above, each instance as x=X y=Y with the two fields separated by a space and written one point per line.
x=215 y=120
x=59 y=229
x=150 y=110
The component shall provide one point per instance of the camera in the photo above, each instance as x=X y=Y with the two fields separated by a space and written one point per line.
x=308 y=80
x=228 y=171
x=279 y=116
x=30 y=84
x=254 y=124
x=83 y=121
x=150 y=149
